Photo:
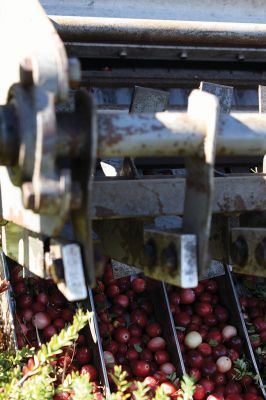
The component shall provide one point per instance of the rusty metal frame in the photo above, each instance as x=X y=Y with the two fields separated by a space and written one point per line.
x=165 y=196
x=141 y=135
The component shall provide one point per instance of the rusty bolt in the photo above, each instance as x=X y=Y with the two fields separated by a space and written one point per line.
x=123 y=53
x=149 y=253
x=239 y=251
x=240 y=57
x=260 y=253
x=169 y=257
x=26 y=72
x=183 y=55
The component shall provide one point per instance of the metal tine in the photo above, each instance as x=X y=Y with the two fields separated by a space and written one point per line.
x=174 y=339
x=8 y=306
x=164 y=317
x=225 y=97
x=97 y=348
x=230 y=299
x=224 y=94
x=262 y=110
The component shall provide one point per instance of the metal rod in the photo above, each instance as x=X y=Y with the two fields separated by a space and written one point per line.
x=123 y=30
x=177 y=134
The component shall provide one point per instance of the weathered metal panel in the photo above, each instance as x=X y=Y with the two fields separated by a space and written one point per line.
x=248 y=250
x=121 y=198
x=174 y=77
x=190 y=10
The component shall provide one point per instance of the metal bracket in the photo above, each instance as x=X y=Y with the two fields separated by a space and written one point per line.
x=248 y=250
x=83 y=173
x=219 y=224
x=64 y=264
x=170 y=257
x=200 y=176
x=58 y=259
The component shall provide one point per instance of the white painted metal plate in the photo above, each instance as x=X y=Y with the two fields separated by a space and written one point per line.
x=190 y=10
x=75 y=288
x=188 y=261
x=35 y=254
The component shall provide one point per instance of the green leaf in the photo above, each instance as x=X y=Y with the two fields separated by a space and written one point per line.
x=172 y=377
x=138 y=348
x=255 y=337
x=213 y=343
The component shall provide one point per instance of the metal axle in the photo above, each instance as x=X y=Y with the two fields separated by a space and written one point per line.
x=152 y=31
x=148 y=135
x=178 y=134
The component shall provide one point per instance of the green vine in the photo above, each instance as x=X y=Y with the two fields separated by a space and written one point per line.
x=31 y=375
x=27 y=375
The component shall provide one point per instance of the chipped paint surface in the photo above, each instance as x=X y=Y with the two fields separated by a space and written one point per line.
x=178 y=134
x=116 y=199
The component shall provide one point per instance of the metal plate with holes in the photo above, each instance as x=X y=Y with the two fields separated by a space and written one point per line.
x=248 y=250
x=170 y=257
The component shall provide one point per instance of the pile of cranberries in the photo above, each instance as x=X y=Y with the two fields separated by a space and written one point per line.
x=131 y=337
x=41 y=309
x=254 y=312
x=41 y=312
x=209 y=343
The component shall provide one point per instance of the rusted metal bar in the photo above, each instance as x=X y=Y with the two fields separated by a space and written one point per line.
x=178 y=134
x=124 y=30
x=120 y=198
